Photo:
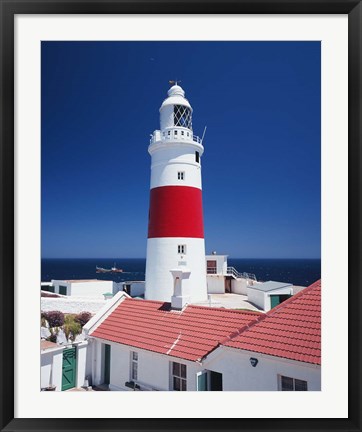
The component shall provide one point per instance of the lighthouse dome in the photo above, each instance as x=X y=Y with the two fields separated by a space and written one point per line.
x=175 y=110
x=176 y=90
x=176 y=96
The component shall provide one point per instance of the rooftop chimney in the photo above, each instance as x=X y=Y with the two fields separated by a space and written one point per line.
x=181 y=296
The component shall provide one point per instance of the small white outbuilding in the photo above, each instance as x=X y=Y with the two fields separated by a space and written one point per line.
x=269 y=294
x=85 y=287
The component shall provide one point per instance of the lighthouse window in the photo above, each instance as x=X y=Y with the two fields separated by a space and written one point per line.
x=169 y=133
x=182 y=116
x=197 y=156
x=181 y=175
x=181 y=249
x=175 y=133
x=182 y=133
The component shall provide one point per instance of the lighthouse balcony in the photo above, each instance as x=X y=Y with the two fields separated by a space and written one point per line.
x=174 y=135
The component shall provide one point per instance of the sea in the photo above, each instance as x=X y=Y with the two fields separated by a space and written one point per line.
x=301 y=272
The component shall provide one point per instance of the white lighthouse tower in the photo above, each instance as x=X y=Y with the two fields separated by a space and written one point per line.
x=175 y=265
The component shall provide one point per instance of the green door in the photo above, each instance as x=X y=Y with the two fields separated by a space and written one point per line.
x=201 y=381
x=274 y=301
x=107 y=363
x=69 y=368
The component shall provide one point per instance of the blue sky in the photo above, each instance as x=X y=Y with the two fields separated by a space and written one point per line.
x=261 y=166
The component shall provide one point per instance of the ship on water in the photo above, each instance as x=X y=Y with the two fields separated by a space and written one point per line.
x=113 y=269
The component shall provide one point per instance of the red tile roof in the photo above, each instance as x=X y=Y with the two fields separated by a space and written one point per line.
x=153 y=326
x=291 y=330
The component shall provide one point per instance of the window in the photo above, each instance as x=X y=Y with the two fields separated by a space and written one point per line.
x=134 y=366
x=62 y=290
x=292 y=384
x=211 y=267
x=168 y=133
x=182 y=133
x=181 y=249
x=182 y=116
x=197 y=156
x=179 y=377
x=181 y=175
x=175 y=133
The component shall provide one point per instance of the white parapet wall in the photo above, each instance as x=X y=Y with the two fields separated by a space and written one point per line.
x=51 y=368
x=239 y=286
x=85 y=288
x=72 y=304
x=215 y=284
x=134 y=288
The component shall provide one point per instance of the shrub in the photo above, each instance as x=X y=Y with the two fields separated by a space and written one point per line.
x=71 y=327
x=55 y=318
x=43 y=320
x=52 y=338
x=83 y=317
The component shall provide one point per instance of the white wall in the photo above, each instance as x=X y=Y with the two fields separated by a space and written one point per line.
x=162 y=256
x=81 y=363
x=51 y=368
x=256 y=297
x=72 y=304
x=238 y=374
x=215 y=284
x=137 y=288
x=117 y=286
x=153 y=369
x=173 y=157
x=221 y=263
x=239 y=286
x=262 y=299
x=91 y=289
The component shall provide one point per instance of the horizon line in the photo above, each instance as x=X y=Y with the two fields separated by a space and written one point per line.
x=123 y=258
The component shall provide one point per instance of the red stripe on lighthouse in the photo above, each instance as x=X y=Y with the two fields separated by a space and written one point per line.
x=176 y=211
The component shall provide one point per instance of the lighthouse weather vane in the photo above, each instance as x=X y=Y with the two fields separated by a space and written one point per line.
x=174 y=82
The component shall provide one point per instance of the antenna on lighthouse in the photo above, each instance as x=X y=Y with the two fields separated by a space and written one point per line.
x=202 y=138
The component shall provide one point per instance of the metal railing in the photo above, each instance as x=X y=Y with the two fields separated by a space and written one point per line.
x=249 y=276
x=231 y=271
x=157 y=136
x=196 y=139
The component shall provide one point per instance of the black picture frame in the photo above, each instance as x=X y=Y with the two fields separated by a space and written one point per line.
x=9 y=8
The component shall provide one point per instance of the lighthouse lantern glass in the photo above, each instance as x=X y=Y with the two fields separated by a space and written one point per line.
x=182 y=116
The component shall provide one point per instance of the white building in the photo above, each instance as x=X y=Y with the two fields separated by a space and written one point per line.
x=222 y=278
x=63 y=366
x=147 y=345
x=269 y=294
x=134 y=288
x=175 y=245
x=85 y=287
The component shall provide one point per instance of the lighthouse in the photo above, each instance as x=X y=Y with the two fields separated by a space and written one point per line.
x=175 y=265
